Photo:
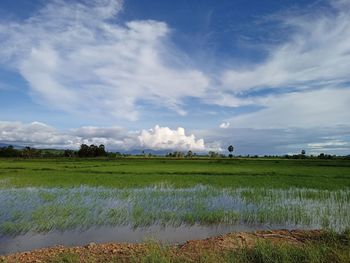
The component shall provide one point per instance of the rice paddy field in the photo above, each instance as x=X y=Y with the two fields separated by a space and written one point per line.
x=44 y=197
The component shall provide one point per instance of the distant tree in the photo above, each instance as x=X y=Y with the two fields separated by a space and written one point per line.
x=68 y=153
x=326 y=156
x=9 y=151
x=213 y=154
x=180 y=154
x=118 y=154
x=176 y=154
x=101 y=150
x=230 y=149
x=83 y=151
x=92 y=150
x=29 y=152
x=189 y=154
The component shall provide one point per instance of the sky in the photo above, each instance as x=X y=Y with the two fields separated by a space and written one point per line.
x=269 y=77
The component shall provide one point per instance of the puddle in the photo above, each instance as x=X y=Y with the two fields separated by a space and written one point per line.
x=167 y=235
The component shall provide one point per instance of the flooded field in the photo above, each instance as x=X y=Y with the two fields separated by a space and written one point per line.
x=48 y=202
x=35 y=217
x=106 y=234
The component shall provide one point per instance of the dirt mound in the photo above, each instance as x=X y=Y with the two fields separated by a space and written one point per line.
x=191 y=249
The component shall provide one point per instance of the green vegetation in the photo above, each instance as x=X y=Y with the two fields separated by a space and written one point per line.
x=133 y=172
x=43 y=195
x=66 y=258
x=330 y=247
x=47 y=209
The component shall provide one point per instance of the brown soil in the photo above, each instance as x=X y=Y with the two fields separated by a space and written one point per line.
x=190 y=249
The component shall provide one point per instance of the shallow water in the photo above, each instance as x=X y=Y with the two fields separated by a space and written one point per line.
x=36 y=217
x=167 y=235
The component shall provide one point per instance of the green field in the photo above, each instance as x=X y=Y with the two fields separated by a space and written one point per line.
x=42 y=195
x=131 y=173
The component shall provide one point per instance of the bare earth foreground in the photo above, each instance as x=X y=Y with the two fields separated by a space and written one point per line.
x=191 y=250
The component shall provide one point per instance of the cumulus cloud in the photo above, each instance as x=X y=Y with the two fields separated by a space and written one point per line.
x=77 y=60
x=34 y=133
x=41 y=135
x=332 y=140
x=165 y=138
x=224 y=125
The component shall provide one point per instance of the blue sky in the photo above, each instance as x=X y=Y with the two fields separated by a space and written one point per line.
x=270 y=77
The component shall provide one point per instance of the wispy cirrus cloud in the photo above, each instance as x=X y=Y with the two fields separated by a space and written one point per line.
x=308 y=109
x=316 y=53
x=329 y=144
x=271 y=141
x=77 y=58
x=304 y=80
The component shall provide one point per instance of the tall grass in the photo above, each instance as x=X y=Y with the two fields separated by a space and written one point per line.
x=331 y=247
x=47 y=209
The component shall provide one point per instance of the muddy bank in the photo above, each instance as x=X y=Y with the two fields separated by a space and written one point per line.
x=105 y=234
x=125 y=252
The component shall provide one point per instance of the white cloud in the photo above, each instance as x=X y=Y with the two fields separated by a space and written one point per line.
x=310 y=109
x=35 y=133
x=313 y=62
x=41 y=135
x=75 y=59
x=166 y=138
x=317 y=53
x=329 y=143
x=334 y=146
x=331 y=140
x=224 y=125
x=97 y=132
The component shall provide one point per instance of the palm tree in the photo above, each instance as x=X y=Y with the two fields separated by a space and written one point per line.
x=230 y=149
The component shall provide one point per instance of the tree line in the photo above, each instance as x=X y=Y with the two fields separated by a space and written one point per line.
x=94 y=151
x=30 y=152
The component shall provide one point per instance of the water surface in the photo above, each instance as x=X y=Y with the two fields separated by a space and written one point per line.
x=166 y=235
x=37 y=217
